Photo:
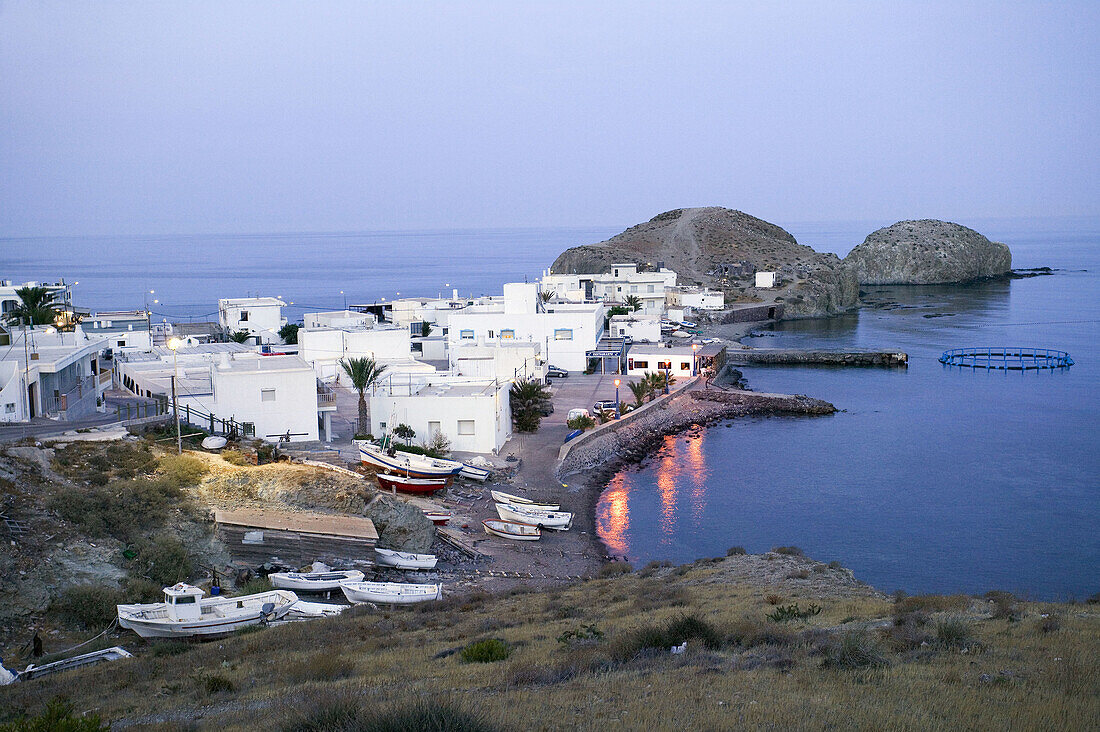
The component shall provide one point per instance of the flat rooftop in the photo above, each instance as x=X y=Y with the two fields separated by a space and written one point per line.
x=303 y=523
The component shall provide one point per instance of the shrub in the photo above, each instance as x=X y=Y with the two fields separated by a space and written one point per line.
x=235 y=457
x=665 y=636
x=182 y=470
x=486 y=651
x=614 y=569
x=790 y=551
x=90 y=606
x=323 y=666
x=751 y=633
x=853 y=650
x=1004 y=605
x=349 y=713
x=773 y=599
x=255 y=586
x=58 y=717
x=930 y=603
x=581 y=422
x=163 y=560
x=589 y=633
x=1049 y=624
x=792 y=612
x=835 y=565
x=954 y=633
x=654 y=595
x=214 y=683
x=438 y=445
x=123 y=510
x=735 y=551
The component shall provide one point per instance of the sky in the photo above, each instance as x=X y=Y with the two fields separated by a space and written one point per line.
x=240 y=117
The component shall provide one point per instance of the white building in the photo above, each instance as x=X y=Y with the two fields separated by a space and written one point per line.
x=390 y=346
x=269 y=396
x=622 y=281
x=765 y=280
x=44 y=372
x=473 y=414
x=698 y=298
x=338 y=319
x=636 y=327
x=677 y=360
x=125 y=330
x=501 y=360
x=9 y=300
x=260 y=316
x=566 y=331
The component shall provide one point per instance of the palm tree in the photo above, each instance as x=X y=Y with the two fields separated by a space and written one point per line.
x=528 y=397
x=38 y=307
x=640 y=390
x=634 y=303
x=240 y=336
x=547 y=295
x=289 y=333
x=363 y=372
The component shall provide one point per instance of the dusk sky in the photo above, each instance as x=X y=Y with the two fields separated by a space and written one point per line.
x=188 y=117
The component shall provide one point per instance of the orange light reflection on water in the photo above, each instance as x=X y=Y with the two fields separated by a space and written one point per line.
x=613 y=515
x=697 y=472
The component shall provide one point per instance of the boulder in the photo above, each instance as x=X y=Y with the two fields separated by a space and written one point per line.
x=927 y=252
x=400 y=525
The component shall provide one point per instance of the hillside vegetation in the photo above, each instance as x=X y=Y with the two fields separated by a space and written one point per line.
x=774 y=640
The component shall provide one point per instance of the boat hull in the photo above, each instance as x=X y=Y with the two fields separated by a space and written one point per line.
x=220 y=616
x=557 y=520
x=411 y=485
x=502 y=497
x=514 y=530
x=439 y=518
x=404 y=560
x=313 y=581
x=391 y=593
x=408 y=465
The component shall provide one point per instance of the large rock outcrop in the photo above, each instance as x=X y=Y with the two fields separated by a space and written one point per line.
x=697 y=242
x=927 y=252
x=401 y=526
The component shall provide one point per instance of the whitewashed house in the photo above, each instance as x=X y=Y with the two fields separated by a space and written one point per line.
x=765 y=280
x=566 y=331
x=338 y=319
x=388 y=345
x=47 y=373
x=698 y=298
x=9 y=300
x=501 y=360
x=679 y=361
x=126 y=330
x=473 y=414
x=615 y=286
x=272 y=397
x=636 y=327
x=260 y=316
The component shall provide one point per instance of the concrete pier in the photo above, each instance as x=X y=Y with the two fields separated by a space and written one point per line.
x=791 y=356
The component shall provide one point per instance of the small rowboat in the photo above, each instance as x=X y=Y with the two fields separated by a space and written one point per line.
x=557 y=520
x=391 y=593
x=439 y=518
x=404 y=560
x=406 y=464
x=465 y=469
x=412 y=485
x=303 y=610
x=185 y=613
x=314 y=581
x=502 y=497
x=512 y=530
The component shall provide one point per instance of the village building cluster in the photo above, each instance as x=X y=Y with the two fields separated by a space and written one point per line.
x=449 y=361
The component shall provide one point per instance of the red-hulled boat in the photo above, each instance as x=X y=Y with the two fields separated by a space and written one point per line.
x=439 y=518
x=412 y=485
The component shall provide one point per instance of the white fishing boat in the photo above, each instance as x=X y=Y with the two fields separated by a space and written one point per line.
x=391 y=593
x=502 y=497
x=213 y=442
x=113 y=653
x=403 y=560
x=439 y=518
x=516 y=530
x=186 y=613
x=303 y=610
x=406 y=464
x=314 y=581
x=557 y=520
x=466 y=470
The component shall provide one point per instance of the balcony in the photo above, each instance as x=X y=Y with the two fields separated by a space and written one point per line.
x=326 y=397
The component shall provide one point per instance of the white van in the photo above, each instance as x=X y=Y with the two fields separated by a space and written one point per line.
x=580 y=412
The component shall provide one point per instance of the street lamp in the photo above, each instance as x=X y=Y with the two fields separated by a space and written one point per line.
x=173 y=346
x=617 y=382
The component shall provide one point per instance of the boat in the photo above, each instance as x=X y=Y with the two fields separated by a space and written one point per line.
x=557 y=520
x=186 y=613
x=411 y=485
x=314 y=581
x=439 y=518
x=404 y=560
x=303 y=610
x=502 y=497
x=213 y=442
x=512 y=530
x=407 y=464
x=466 y=470
x=391 y=593
x=113 y=653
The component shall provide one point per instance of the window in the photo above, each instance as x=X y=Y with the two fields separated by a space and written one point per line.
x=490 y=334
x=685 y=366
x=121 y=344
x=649 y=288
x=633 y=288
x=267 y=395
x=641 y=364
x=244 y=316
x=9 y=408
x=465 y=427
x=664 y=365
x=563 y=334
x=507 y=334
x=187 y=600
x=466 y=335
x=434 y=428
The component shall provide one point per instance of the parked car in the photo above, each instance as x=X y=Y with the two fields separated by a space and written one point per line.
x=546 y=409
x=555 y=372
x=578 y=412
x=604 y=404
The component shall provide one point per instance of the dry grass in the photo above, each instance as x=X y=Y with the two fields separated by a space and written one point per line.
x=738 y=671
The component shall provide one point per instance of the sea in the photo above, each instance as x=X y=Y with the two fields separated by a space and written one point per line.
x=930 y=478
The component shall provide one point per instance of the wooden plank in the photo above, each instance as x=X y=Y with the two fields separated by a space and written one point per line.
x=306 y=523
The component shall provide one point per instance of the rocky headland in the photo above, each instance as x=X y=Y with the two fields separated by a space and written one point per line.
x=701 y=244
x=927 y=252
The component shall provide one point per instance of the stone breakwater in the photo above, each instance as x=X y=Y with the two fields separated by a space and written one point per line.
x=828 y=358
x=634 y=440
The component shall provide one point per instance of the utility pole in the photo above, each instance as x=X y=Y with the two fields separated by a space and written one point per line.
x=176 y=412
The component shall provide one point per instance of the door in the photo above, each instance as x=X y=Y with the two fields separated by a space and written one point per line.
x=32 y=399
x=434 y=428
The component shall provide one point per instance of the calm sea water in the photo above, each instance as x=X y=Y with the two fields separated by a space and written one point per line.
x=931 y=479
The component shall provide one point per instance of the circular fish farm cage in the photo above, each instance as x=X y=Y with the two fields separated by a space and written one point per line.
x=1007 y=359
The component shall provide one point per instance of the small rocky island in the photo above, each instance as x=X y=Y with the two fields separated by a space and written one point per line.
x=722 y=248
x=927 y=252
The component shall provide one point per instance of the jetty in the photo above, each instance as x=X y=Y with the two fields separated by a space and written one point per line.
x=799 y=357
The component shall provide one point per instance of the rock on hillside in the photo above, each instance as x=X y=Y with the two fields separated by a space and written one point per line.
x=695 y=241
x=927 y=252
